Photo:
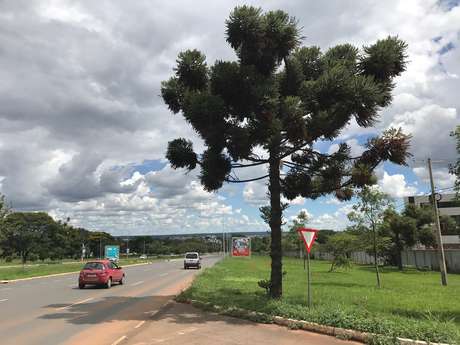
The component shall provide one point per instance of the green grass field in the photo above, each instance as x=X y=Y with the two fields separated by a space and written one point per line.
x=35 y=270
x=410 y=304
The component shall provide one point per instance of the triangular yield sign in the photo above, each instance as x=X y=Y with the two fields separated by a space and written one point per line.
x=308 y=237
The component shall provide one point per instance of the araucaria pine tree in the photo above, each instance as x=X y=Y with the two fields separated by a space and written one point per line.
x=283 y=98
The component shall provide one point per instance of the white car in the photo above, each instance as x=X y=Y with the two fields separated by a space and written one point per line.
x=192 y=259
x=143 y=257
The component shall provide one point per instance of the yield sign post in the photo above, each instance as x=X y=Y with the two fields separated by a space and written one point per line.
x=308 y=237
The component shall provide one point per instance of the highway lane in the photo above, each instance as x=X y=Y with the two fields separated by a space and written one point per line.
x=53 y=310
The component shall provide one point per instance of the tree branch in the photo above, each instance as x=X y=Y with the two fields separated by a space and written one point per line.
x=239 y=165
x=236 y=180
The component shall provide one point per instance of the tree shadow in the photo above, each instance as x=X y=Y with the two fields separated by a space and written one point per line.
x=126 y=308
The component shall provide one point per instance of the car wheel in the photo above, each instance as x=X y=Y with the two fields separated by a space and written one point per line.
x=81 y=285
x=185 y=267
x=108 y=285
x=121 y=280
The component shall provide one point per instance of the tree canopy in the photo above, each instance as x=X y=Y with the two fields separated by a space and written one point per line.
x=281 y=98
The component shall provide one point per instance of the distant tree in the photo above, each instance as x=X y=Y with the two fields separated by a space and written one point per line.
x=449 y=225
x=368 y=213
x=4 y=211
x=260 y=244
x=323 y=235
x=23 y=232
x=284 y=98
x=340 y=246
x=403 y=233
x=5 y=208
x=291 y=240
x=422 y=215
x=424 y=218
x=97 y=240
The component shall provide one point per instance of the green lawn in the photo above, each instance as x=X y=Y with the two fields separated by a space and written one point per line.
x=410 y=304
x=51 y=268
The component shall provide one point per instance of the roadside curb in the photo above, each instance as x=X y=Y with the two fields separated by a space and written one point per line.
x=61 y=274
x=341 y=333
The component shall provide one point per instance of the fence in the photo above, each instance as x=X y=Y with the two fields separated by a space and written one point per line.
x=357 y=257
x=421 y=259
x=428 y=259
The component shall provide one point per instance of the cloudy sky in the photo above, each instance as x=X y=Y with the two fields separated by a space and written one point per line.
x=83 y=130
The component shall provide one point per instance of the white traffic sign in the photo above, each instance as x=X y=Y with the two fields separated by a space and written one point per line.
x=308 y=237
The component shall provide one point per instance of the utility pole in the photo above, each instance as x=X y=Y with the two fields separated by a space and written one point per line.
x=441 y=256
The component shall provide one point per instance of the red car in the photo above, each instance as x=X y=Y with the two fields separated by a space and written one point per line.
x=100 y=272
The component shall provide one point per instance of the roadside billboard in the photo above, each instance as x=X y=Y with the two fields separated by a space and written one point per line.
x=112 y=252
x=241 y=246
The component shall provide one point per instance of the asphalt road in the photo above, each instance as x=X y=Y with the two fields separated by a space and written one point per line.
x=53 y=310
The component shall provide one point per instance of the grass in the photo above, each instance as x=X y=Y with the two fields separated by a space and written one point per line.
x=411 y=304
x=47 y=268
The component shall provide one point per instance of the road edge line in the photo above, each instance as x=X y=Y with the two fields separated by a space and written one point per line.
x=119 y=340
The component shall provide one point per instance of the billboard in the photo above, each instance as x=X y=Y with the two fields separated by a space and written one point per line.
x=112 y=252
x=241 y=246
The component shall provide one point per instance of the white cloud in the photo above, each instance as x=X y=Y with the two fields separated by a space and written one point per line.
x=79 y=108
x=355 y=148
x=441 y=177
x=396 y=186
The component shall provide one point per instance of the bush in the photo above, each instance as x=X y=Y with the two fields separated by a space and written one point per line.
x=341 y=261
x=265 y=284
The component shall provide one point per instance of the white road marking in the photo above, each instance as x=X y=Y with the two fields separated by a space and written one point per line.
x=119 y=340
x=79 y=302
x=138 y=283
x=4 y=300
x=139 y=324
x=163 y=274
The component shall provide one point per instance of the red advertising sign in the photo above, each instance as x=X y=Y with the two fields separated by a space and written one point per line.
x=308 y=237
x=241 y=246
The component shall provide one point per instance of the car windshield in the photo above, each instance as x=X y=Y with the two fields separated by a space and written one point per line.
x=93 y=266
x=191 y=256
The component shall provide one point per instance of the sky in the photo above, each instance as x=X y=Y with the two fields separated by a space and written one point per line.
x=83 y=130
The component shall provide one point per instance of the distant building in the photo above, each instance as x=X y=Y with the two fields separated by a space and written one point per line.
x=447 y=205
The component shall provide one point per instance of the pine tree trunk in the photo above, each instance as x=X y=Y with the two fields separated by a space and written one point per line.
x=276 y=279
